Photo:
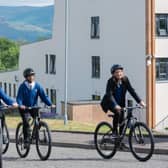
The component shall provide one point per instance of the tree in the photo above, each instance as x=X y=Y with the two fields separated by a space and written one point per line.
x=9 y=54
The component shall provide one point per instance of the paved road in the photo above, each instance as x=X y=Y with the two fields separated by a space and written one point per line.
x=79 y=158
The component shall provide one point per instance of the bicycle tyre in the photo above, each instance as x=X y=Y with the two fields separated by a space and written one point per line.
x=151 y=141
x=43 y=156
x=20 y=141
x=6 y=146
x=96 y=140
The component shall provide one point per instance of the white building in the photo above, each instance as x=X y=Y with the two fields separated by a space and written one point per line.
x=101 y=33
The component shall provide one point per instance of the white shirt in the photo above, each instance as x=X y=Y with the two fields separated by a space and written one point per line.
x=30 y=85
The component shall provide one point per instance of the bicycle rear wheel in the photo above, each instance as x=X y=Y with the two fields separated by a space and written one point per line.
x=22 y=151
x=43 y=141
x=141 y=142
x=5 y=145
x=105 y=143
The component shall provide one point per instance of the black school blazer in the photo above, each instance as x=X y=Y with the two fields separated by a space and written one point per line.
x=108 y=98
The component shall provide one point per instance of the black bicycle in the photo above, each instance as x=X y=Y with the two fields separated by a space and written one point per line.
x=140 y=138
x=39 y=135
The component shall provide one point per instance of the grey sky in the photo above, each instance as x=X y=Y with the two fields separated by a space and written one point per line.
x=26 y=2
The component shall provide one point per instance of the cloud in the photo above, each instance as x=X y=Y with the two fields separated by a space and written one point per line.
x=26 y=2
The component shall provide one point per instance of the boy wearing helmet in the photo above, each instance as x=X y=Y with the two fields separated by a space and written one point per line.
x=27 y=96
x=114 y=99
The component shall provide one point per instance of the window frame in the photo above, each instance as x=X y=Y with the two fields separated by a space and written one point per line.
x=10 y=89
x=96 y=67
x=52 y=65
x=96 y=97
x=46 y=64
x=14 y=90
x=161 y=32
x=95 y=27
x=159 y=72
x=5 y=87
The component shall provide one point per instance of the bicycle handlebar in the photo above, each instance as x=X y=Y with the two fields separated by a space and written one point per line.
x=4 y=107
x=37 y=107
x=135 y=107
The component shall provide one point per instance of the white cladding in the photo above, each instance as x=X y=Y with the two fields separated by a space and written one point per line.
x=161 y=87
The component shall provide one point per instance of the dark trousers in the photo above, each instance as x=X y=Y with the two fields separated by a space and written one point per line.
x=25 y=115
x=3 y=121
x=118 y=119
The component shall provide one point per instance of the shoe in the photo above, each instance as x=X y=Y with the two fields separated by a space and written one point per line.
x=5 y=140
x=114 y=135
x=26 y=143
x=123 y=147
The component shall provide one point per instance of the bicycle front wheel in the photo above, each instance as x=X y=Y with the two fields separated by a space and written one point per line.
x=43 y=141
x=6 y=137
x=141 y=141
x=104 y=141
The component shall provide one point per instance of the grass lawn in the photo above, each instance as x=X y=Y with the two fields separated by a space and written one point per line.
x=55 y=124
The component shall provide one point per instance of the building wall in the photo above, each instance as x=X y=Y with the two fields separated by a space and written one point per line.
x=161 y=6
x=161 y=87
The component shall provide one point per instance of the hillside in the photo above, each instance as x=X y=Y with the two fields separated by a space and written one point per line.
x=26 y=23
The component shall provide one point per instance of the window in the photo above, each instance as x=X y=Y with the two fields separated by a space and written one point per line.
x=1 y=84
x=46 y=62
x=162 y=25
x=10 y=90
x=95 y=27
x=96 y=97
x=161 y=69
x=52 y=64
x=47 y=91
x=14 y=90
x=53 y=95
x=5 y=87
x=95 y=67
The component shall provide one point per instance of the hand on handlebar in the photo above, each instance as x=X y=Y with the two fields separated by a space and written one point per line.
x=22 y=107
x=142 y=104
x=14 y=105
x=53 y=106
x=118 y=108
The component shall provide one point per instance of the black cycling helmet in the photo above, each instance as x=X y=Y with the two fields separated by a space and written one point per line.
x=116 y=67
x=28 y=72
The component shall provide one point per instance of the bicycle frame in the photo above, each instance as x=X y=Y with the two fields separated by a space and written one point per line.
x=34 y=124
x=127 y=120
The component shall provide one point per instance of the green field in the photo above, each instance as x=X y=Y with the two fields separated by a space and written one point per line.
x=55 y=124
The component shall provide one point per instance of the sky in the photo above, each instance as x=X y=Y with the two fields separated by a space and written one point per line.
x=26 y=2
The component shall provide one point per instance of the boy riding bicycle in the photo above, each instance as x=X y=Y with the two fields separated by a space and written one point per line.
x=27 y=96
